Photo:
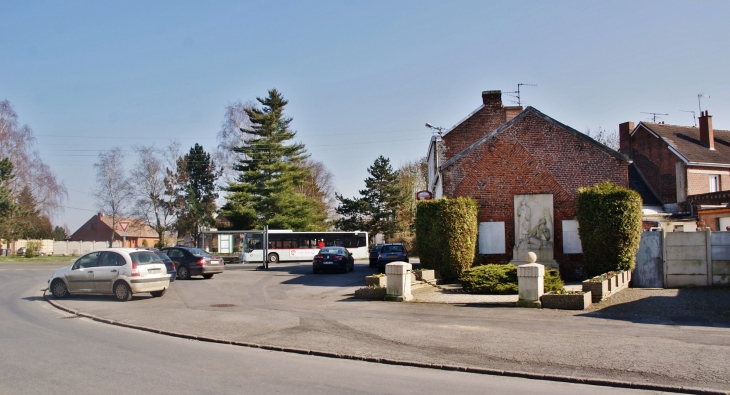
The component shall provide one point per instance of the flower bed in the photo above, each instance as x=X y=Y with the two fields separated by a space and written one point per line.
x=566 y=300
x=378 y=280
x=607 y=284
x=371 y=293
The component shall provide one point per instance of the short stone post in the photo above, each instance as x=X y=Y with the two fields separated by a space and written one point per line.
x=531 y=282
x=399 y=282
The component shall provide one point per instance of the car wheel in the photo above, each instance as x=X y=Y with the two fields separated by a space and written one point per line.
x=315 y=270
x=122 y=291
x=59 y=289
x=157 y=294
x=207 y=276
x=371 y=264
x=346 y=268
x=183 y=273
x=273 y=258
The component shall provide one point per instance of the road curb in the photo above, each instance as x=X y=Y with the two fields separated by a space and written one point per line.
x=387 y=361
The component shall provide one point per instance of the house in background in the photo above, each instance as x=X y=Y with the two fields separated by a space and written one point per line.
x=524 y=169
x=686 y=168
x=99 y=228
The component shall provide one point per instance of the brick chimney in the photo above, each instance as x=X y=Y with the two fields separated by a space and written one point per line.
x=492 y=98
x=707 y=136
x=624 y=135
x=101 y=215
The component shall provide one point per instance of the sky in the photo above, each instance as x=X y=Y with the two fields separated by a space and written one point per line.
x=362 y=77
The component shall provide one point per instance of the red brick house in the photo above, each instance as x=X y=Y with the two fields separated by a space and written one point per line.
x=524 y=169
x=686 y=168
x=99 y=228
x=678 y=161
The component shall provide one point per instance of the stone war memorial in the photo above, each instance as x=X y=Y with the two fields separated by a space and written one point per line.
x=534 y=229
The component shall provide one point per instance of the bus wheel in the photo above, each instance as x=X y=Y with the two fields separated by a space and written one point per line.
x=273 y=258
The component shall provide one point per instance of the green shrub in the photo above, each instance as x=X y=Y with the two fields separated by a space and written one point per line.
x=446 y=235
x=491 y=279
x=610 y=227
x=144 y=243
x=33 y=249
x=495 y=279
x=552 y=281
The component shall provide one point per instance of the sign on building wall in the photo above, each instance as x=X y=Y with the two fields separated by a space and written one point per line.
x=571 y=239
x=491 y=238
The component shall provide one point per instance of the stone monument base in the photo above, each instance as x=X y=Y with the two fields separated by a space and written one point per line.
x=544 y=257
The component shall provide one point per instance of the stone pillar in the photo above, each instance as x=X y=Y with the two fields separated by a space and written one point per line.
x=530 y=277
x=399 y=282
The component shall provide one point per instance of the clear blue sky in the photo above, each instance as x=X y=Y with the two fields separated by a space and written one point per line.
x=362 y=77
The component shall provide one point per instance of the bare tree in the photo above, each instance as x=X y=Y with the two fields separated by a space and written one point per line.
x=412 y=177
x=17 y=143
x=606 y=137
x=154 y=205
x=231 y=136
x=319 y=186
x=114 y=193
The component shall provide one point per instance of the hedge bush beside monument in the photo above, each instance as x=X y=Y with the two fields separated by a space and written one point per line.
x=446 y=235
x=610 y=227
x=497 y=279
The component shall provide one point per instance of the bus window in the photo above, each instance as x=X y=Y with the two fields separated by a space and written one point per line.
x=253 y=242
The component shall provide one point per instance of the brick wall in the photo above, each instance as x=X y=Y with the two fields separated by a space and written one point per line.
x=532 y=156
x=481 y=123
x=656 y=162
x=698 y=183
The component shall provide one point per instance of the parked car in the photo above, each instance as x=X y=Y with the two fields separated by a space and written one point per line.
x=190 y=261
x=393 y=252
x=374 y=255
x=333 y=258
x=168 y=262
x=121 y=272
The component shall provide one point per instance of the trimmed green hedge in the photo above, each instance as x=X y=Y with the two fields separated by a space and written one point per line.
x=610 y=227
x=495 y=279
x=446 y=235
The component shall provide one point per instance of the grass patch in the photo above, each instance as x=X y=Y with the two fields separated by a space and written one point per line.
x=39 y=259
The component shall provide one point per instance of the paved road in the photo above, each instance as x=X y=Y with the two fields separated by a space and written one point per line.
x=288 y=306
x=47 y=351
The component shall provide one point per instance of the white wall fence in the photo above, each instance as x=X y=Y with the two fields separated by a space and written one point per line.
x=682 y=259
x=68 y=248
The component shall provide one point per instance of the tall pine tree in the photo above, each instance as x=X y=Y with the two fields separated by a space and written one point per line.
x=269 y=171
x=196 y=191
x=375 y=211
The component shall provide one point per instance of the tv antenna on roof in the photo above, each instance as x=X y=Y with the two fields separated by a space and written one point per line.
x=699 y=102
x=439 y=128
x=517 y=93
x=655 y=114
x=694 y=117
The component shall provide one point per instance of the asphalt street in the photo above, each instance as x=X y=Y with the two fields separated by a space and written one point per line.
x=288 y=306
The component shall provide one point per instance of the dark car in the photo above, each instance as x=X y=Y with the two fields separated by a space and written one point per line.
x=191 y=261
x=394 y=252
x=333 y=258
x=168 y=262
x=374 y=255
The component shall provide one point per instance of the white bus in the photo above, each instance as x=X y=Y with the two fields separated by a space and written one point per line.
x=285 y=245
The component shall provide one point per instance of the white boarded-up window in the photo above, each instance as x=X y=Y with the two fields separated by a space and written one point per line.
x=571 y=240
x=491 y=238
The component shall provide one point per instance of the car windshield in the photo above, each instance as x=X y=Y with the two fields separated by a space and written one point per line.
x=392 y=248
x=163 y=256
x=376 y=248
x=198 y=252
x=145 y=258
x=331 y=251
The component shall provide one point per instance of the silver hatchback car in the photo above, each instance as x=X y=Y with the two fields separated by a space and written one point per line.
x=117 y=271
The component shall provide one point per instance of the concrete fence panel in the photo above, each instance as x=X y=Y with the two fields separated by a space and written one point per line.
x=720 y=258
x=649 y=272
x=686 y=262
